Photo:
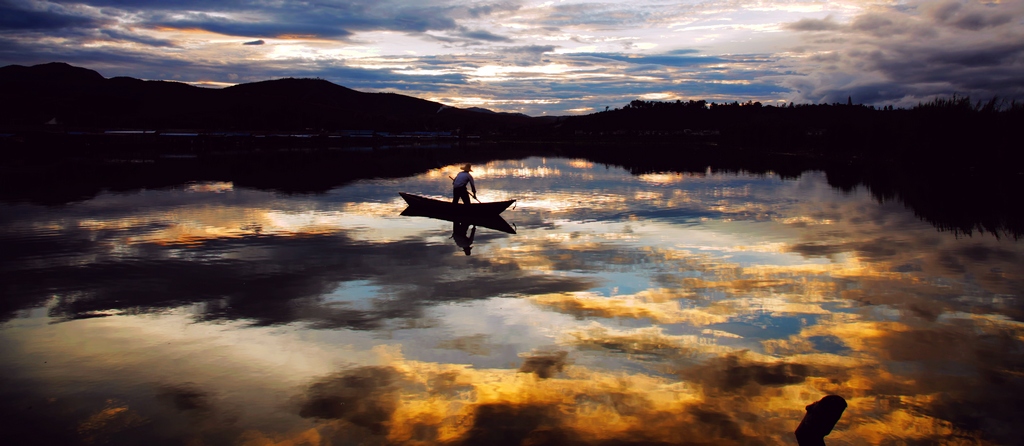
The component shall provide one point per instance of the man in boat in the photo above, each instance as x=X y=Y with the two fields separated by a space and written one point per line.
x=460 y=182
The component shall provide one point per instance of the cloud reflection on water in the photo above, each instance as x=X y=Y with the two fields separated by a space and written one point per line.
x=662 y=308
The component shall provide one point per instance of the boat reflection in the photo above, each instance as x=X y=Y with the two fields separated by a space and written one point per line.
x=494 y=222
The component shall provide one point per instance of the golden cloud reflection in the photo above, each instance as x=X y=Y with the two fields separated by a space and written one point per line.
x=702 y=310
x=116 y=417
x=191 y=226
x=206 y=187
x=556 y=202
x=411 y=402
x=491 y=170
x=662 y=178
x=580 y=164
x=650 y=342
x=646 y=304
x=730 y=397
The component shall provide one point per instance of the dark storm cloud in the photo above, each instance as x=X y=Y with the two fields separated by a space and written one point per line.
x=989 y=55
x=877 y=24
x=487 y=9
x=968 y=16
x=526 y=55
x=192 y=5
x=323 y=20
x=529 y=49
x=986 y=69
x=483 y=35
x=673 y=59
x=13 y=17
x=309 y=26
x=914 y=53
x=128 y=37
x=826 y=24
x=468 y=37
x=978 y=21
x=335 y=19
x=944 y=11
x=255 y=42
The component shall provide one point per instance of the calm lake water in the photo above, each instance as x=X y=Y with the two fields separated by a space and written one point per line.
x=675 y=308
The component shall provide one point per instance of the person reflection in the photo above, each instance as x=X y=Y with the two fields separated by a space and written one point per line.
x=459 y=234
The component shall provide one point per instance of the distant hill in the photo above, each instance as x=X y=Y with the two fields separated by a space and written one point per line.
x=939 y=130
x=79 y=97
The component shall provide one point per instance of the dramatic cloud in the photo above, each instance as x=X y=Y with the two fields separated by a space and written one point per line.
x=568 y=58
x=22 y=16
x=826 y=24
x=136 y=38
x=905 y=55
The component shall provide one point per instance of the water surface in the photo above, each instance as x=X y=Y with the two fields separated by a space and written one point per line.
x=676 y=308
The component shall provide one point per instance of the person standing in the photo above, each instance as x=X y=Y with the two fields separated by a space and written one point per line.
x=460 y=182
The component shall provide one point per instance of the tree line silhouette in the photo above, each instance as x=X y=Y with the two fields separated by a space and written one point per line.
x=952 y=123
x=955 y=161
x=56 y=97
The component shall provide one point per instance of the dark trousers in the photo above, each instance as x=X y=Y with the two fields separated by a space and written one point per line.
x=460 y=192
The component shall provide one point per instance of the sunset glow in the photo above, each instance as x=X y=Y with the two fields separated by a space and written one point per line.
x=542 y=57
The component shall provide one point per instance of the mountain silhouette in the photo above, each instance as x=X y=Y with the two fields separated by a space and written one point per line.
x=78 y=97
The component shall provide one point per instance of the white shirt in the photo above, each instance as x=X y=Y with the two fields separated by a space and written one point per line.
x=462 y=179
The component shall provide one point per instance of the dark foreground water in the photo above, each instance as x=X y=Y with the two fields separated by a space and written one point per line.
x=692 y=309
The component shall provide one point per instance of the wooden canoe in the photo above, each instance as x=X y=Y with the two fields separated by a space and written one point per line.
x=484 y=215
x=456 y=210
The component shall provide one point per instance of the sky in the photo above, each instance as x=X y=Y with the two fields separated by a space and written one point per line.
x=545 y=57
